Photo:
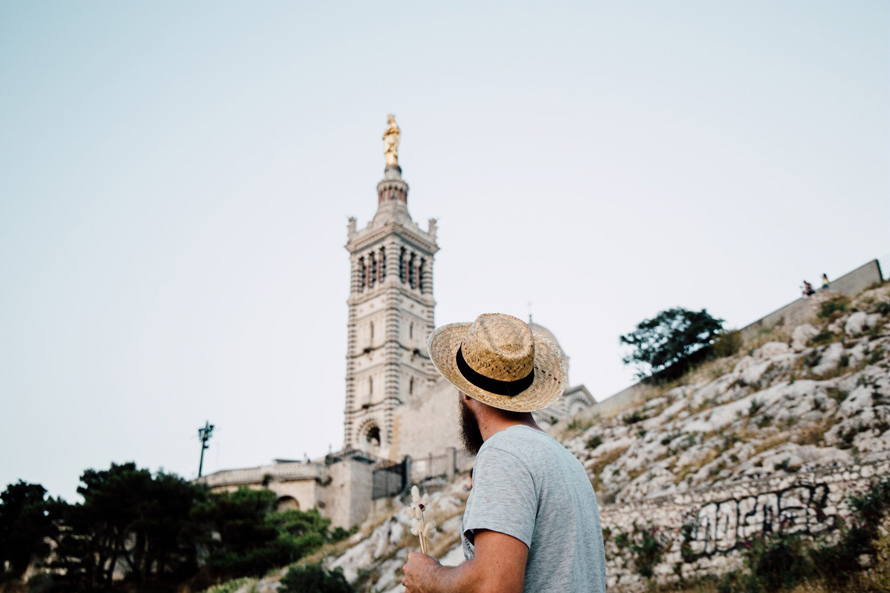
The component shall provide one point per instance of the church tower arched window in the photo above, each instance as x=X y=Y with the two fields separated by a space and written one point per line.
x=402 y=265
x=382 y=264
x=370 y=385
x=372 y=331
x=420 y=275
x=374 y=270
x=411 y=386
x=411 y=331
x=364 y=273
x=412 y=272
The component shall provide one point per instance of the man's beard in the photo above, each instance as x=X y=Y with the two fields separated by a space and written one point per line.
x=470 y=435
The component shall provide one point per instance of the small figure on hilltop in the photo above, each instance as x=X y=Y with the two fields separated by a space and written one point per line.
x=807 y=289
x=531 y=512
x=825 y=283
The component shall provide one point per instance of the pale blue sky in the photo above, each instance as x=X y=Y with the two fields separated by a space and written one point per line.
x=175 y=179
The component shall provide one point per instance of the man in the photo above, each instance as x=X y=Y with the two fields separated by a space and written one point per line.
x=531 y=523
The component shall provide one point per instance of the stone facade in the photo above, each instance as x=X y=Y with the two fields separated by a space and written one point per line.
x=339 y=485
x=391 y=313
x=298 y=485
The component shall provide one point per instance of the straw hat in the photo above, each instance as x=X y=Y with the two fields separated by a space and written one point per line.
x=499 y=362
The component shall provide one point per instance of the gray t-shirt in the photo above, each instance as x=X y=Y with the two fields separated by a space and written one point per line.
x=527 y=485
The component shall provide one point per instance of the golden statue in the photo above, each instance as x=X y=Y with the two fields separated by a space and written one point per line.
x=391 y=141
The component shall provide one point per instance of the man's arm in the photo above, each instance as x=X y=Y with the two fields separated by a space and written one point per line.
x=499 y=567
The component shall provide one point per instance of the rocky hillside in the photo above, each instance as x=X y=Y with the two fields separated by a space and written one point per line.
x=793 y=399
x=815 y=394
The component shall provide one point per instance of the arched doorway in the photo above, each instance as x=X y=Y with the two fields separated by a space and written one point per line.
x=287 y=503
x=372 y=436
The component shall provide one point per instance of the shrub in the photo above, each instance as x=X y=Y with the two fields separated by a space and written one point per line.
x=812 y=358
x=312 y=578
x=594 y=442
x=633 y=418
x=756 y=406
x=883 y=308
x=727 y=344
x=834 y=307
x=838 y=563
x=647 y=548
x=823 y=337
x=779 y=561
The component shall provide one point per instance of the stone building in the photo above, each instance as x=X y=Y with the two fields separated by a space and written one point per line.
x=391 y=311
x=397 y=405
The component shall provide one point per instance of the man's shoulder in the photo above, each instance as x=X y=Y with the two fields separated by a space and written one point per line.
x=524 y=442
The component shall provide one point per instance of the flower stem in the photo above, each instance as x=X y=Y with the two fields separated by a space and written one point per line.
x=422 y=539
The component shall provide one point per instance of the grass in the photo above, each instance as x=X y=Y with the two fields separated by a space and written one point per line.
x=597 y=468
x=834 y=308
x=813 y=434
x=693 y=467
x=770 y=443
x=232 y=586
x=579 y=425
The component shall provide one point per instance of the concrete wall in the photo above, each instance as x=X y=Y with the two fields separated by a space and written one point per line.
x=348 y=494
x=427 y=425
x=721 y=519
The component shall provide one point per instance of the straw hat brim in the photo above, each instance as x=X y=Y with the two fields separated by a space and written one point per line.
x=547 y=387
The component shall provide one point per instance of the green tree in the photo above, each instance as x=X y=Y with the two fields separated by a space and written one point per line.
x=25 y=526
x=129 y=520
x=312 y=578
x=246 y=537
x=669 y=339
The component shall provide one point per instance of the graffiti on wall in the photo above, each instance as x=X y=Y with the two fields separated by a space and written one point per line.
x=720 y=527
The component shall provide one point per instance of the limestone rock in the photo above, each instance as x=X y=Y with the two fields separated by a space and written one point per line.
x=831 y=357
x=801 y=335
x=771 y=349
x=856 y=323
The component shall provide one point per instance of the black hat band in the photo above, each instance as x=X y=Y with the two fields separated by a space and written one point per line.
x=508 y=388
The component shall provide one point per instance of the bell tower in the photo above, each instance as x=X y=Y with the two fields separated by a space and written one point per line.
x=391 y=310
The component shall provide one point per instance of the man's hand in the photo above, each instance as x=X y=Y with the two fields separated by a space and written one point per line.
x=499 y=567
x=418 y=571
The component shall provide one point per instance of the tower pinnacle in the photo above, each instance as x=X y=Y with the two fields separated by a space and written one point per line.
x=391 y=142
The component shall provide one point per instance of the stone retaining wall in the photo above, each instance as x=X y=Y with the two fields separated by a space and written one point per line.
x=719 y=520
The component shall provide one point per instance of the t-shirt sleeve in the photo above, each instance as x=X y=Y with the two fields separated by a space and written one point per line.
x=503 y=497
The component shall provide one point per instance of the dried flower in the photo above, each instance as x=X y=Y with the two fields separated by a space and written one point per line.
x=420 y=527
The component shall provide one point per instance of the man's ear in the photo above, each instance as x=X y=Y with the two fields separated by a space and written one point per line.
x=470 y=402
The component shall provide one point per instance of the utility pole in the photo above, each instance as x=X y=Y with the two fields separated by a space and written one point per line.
x=204 y=436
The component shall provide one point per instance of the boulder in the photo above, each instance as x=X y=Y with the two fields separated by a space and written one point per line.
x=801 y=335
x=830 y=359
x=752 y=374
x=771 y=349
x=856 y=324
